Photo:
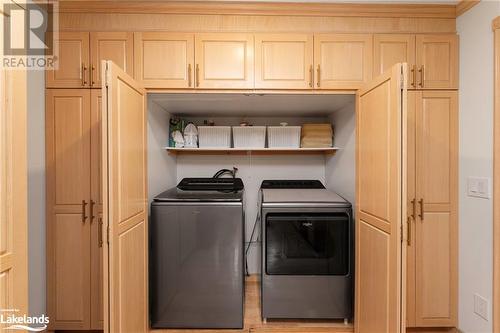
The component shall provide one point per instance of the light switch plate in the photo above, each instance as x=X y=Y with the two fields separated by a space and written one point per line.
x=479 y=187
x=481 y=306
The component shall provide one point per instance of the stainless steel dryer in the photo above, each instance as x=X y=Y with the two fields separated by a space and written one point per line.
x=307 y=251
x=196 y=255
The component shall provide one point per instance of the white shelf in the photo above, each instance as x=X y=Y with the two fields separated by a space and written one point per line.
x=329 y=150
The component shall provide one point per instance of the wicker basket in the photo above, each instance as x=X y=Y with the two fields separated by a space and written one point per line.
x=214 y=136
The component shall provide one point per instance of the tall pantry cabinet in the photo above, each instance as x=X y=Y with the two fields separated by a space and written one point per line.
x=432 y=200
x=73 y=155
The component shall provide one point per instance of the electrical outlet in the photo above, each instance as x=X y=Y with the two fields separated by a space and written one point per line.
x=481 y=306
x=479 y=187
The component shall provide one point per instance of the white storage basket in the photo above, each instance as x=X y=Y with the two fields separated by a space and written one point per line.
x=283 y=136
x=214 y=136
x=249 y=136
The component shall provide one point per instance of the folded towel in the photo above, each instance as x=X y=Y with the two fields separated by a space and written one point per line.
x=316 y=136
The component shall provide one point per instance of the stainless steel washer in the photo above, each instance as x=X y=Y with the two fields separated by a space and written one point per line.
x=307 y=251
x=196 y=255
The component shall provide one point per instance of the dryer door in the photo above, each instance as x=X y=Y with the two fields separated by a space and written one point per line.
x=307 y=244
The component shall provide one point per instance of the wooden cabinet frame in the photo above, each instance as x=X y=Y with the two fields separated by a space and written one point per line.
x=496 y=179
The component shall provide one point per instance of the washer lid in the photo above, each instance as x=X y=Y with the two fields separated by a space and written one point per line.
x=177 y=195
x=301 y=196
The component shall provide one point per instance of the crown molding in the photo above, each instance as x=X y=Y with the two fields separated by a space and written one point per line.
x=496 y=23
x=465 y=5
x=260 y=8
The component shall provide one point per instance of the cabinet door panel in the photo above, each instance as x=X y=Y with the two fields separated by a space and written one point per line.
x=380 y=254
x=72 y=63
x=434 y=269
x=224 y=61
x=115 y=46
x=436 y=228
x=164 y=60
x=68 y=228
x=389 y=50
x=342 y=61
x=283 y=61
x=96 y=278
x=437 y=61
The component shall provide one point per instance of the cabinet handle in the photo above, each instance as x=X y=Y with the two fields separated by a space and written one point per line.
x=84 y=71
x=408 y=231
x=92 y=70
x=92 y=203
x=100 y=232
x=311 y=76
x=421 y=203
x=421 y=71
x=414 y=76
x=414 y=208
x=197 y=75
x=84 y=205
x=318 y=76
x=189 y=75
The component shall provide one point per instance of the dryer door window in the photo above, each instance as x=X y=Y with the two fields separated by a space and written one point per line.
x=307 y=244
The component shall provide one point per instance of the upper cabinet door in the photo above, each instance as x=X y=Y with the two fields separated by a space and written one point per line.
x=115 y=46
x=284 y=61
x=164 y=60
x=389 y=50
x=437 y=61
x=73 y=62
x=342 y=61
x=224 y=61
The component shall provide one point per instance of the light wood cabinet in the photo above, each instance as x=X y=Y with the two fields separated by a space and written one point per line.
x=72 y=63
x=433 y=163
x=73 y=206
x=164 y=60
x=115 y=46
x=224 y=60
x=390 y=49
x=68 y=189
x=80 y=56
x=342 y=61
x=437 y=61
x=432 y=59
x=13 y=187
x=284 y=61
x=96 y=254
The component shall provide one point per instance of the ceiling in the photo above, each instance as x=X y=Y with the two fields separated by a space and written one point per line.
x=212 y=104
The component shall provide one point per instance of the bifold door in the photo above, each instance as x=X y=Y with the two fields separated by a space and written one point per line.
x=380 y=208
x=125 y=202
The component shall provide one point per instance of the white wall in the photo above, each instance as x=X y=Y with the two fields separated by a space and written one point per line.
x=476 y=159
x=36 y=192
x=341 y=168
x=162 y=168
